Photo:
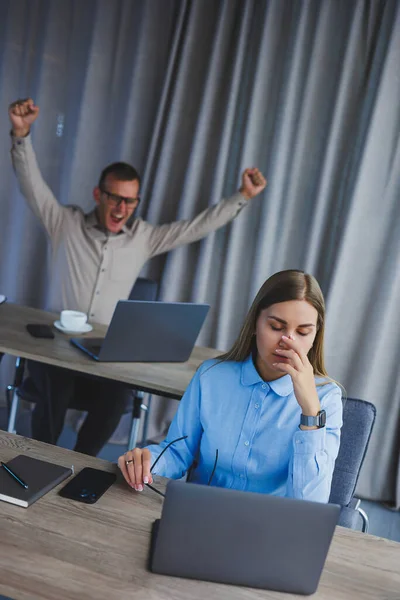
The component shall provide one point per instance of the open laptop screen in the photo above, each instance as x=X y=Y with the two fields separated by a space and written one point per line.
x=144 y=331
x=243 y=538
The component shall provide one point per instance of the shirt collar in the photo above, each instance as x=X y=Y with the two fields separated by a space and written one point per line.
x=281 y=387
x=91 y=219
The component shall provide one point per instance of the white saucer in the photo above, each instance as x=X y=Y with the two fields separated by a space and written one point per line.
x=85 y=329
x=2 y=298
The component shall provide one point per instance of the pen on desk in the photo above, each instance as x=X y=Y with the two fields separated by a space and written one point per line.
x=14 y=475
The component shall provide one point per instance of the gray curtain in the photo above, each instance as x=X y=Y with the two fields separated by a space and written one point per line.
x=191 y=92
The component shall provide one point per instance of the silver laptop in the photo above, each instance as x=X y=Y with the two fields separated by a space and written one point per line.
x=142 y=331
x=242 y=538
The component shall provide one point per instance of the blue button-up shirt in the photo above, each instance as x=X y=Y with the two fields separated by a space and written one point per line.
x=254 y=425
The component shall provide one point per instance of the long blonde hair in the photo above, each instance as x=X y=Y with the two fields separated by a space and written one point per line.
x=281 y=287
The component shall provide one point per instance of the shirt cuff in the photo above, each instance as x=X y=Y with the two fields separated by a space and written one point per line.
x=19 y=141
x=238 y=199
x=309 y=441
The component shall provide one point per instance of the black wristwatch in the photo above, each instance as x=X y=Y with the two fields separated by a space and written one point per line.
x=318 y=421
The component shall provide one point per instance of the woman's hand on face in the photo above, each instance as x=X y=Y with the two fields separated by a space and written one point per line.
x=135 y=467
x=300 y=369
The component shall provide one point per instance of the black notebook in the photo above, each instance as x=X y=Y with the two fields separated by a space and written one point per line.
x=39 y=475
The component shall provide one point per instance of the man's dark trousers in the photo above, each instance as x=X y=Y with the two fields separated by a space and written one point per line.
x=104 y=399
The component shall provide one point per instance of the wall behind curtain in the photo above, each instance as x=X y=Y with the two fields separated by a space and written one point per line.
x=193 y=91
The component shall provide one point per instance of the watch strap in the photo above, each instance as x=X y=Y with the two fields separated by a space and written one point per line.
x=316 y=421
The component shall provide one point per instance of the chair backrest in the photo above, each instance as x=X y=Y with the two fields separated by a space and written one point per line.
x=358 y=421
x=144 y=289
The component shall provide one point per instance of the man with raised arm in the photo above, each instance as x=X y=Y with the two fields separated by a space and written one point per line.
x=98 y=256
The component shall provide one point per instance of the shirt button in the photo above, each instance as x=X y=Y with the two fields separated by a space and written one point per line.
x=246 y=443
x=97 y=293
x=263 y=386
x=298 y=441
x=92 y=314
x=256 y=405
x=241 y=476
x=102 y=270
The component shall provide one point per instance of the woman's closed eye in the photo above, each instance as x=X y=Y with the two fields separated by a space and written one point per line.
x=302 y=333
x=276 y=328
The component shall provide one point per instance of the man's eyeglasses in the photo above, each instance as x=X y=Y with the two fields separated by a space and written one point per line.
x=191 y=469
x=115 y=200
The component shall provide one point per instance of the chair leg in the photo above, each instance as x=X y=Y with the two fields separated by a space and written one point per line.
x=14 y=403
x=9 y=392
x=146 y=419
x=13 y=410
x=136 y=410
x=19 y=371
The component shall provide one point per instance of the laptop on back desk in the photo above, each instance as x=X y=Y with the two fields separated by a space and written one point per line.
x=143 y=331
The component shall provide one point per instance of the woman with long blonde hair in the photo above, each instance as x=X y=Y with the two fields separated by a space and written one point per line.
x=263 y=417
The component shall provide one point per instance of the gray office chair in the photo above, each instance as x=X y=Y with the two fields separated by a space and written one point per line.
x=358 y=422
x=23 y=388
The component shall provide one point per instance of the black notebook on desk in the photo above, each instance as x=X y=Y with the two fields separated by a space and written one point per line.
x=39 y=475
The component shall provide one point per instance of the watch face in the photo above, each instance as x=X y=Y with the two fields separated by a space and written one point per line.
x=322 y=418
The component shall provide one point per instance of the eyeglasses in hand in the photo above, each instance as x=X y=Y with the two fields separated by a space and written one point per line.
x=160 y=455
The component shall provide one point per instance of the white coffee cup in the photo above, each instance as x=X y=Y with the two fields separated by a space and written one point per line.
x=73 y=320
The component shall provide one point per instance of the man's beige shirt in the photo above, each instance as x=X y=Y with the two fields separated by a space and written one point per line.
x=90 y=269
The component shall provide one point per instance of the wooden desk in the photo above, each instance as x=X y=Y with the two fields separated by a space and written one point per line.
x=166 y=379
x=62 y=549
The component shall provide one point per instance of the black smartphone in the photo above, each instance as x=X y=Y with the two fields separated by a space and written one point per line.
x=39 y=330
x=88 y=486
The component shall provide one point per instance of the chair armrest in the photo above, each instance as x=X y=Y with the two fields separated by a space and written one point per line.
x=349 y=518
x=354 y=503
x=354 y=517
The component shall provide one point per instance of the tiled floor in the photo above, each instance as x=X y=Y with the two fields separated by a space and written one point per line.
x=383 y=521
